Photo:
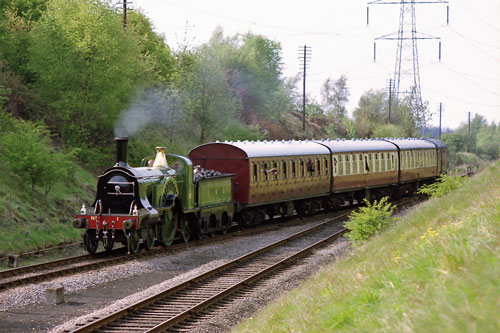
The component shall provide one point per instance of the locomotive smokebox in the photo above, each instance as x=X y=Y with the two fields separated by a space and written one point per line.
x=121 y=151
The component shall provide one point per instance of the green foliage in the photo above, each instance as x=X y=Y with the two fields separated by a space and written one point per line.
x=335 y=95
x=237 y=131
x=350 y=127
x=207 y=102
x=436 y=270
x=86 y=67
x=442 y=186
x=369 y=220
x=252 y=65
x=27 y=153
x=388 y=131
x=482 y=143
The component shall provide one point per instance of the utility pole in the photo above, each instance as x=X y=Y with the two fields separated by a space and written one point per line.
x=390 y=102
x=304 y=57
x=406 y=69
x=468 y=133
x=440 y=117
x=124 y=10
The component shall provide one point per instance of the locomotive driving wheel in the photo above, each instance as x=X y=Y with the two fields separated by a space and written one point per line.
x=169 y=227
x=148 y=237
x=170 y=216
x=134 y=241
x=185 y=227
x=90 y=241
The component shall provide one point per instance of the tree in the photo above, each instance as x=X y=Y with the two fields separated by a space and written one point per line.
x=369 y=113
x=86 y=67
x=420 y=111
x=335 y=95
x=252 y=66
x=206 y=98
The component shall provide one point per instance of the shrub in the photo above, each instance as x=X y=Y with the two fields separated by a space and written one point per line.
x=443 y=185
x=369 y=220
x=27 y=153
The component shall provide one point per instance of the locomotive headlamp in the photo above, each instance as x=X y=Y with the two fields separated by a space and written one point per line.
x=80 y=222
x=128 y=224
x=83 y=210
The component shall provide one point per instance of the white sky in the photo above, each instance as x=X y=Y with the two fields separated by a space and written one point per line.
x=466 y=79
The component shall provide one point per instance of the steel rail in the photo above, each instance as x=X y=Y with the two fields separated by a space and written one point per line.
x=49 y=270
x=202 y=277
x=240 y=285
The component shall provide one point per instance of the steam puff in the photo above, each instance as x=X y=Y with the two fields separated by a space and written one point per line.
x=155 y=106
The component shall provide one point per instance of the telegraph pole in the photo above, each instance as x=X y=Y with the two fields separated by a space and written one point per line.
x=124 y=10
x=390 y=102
x=440 y=117
x=468 y=133
x=304 y=57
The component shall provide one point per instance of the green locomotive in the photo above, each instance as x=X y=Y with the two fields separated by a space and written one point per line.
x=159 y=201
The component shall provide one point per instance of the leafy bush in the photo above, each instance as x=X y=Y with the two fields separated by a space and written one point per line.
x=26 y=152
x=443 y=185
x=369 y=220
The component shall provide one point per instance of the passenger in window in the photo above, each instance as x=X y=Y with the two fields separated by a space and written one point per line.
x=310 y=165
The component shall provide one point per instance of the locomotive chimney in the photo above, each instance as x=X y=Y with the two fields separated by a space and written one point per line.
x=121 y=151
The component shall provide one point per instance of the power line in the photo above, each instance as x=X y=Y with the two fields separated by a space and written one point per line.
x=477 y=16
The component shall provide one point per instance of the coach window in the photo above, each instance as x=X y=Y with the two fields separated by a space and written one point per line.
x=335 y=166
x=382 y=161
x=347 y=165
x=294 y=169
x=274 y=171
x=355 y=164
x=341 y=166
x=326 y=166
x=255 y=172
x=284 y=173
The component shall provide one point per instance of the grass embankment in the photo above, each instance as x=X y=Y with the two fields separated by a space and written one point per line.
x=28 y=223
x=437 y=269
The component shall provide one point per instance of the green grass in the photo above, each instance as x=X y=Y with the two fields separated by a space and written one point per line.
x=436 y=270
x=28 y=223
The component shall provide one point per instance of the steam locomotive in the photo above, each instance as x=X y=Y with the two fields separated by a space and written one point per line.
x=247 y=182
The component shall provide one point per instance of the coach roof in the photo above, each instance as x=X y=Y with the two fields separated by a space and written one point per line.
x=254 y=149
x=413 y=143
x=347 y=146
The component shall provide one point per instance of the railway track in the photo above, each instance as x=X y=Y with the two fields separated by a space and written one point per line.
x=77 y=264
x=182 y=307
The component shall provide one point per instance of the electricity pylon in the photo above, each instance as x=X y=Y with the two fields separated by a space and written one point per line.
x=406 y=70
